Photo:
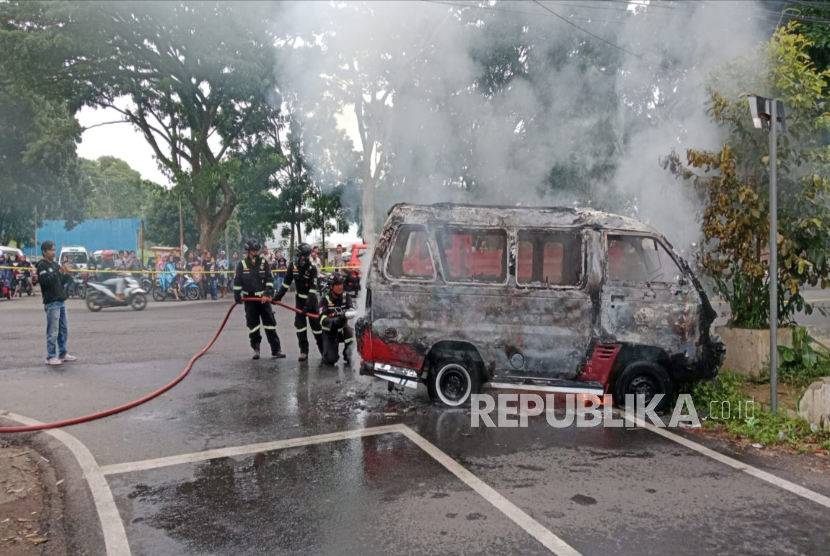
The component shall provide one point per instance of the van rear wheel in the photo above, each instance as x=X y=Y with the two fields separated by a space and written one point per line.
x=452 y=382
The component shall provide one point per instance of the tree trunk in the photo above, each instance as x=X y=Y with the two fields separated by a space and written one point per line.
x=368 y=209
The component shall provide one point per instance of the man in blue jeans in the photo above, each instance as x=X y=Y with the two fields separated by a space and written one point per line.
x=52 y=277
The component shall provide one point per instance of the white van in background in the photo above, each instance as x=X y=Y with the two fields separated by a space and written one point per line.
x=75 y=254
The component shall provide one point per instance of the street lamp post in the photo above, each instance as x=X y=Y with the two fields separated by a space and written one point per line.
x=769 y=114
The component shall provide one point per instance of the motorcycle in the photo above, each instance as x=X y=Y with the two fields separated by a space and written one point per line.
x=23 y=285
x=76 y=287
x=99 y=296
x=190 y=291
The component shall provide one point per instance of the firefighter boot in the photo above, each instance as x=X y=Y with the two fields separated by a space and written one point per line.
x=303 y=357
x=256 y=353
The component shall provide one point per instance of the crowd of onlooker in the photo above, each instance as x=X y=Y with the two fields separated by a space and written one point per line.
x=212 y=273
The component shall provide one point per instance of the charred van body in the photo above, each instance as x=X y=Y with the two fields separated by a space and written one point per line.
x=548 y=299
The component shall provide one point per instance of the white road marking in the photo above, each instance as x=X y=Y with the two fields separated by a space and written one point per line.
x=510 y=510
x=115 y=538
x=519 y=517
x=748 y=469
x=244 y=450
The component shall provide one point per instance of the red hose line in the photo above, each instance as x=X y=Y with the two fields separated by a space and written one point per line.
x=148 y=397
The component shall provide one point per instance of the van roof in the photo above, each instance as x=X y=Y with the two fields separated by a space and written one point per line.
x=492 y=215
x=73 y=248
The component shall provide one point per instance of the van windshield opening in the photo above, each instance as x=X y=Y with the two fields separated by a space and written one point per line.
x=473 y=255
x=75 y=257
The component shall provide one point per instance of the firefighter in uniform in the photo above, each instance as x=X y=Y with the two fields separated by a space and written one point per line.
x=305 y=274
x=254 y=279
x=333 y=320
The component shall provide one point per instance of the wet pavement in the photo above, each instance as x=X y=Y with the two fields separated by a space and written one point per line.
x=601 y=490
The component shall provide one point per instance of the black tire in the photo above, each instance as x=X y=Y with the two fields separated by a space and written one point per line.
x=452 y=381
x=643 y=377
x=138 y=302
x=192 y=294
x=92 y=303
x=158 y=294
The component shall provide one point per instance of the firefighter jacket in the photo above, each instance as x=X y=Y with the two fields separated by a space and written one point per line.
x=253 y=278
x=333 y=310
x=306 y=283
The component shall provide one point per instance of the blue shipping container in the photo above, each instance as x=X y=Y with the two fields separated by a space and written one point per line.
x=115 y=233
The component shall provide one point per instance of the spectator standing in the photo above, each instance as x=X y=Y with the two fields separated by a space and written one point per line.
x=212 y=278
x=315 y=257
x=232 y=268
x=197 y=276
x=222 y=267
x=52 y=279
x=6 y=276
x=132 y=263
x=340 y=261
x=282 y=268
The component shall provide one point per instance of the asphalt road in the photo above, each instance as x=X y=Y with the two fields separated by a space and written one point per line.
x=429 y=484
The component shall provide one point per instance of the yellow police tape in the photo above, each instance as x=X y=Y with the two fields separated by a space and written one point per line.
x=229 y=271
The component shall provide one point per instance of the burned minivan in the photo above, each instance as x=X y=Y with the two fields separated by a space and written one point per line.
x=544 y=299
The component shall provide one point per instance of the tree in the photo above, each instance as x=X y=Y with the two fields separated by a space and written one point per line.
x=38 y=164
x=163 y=221
x=197 y=79
x=734 y=183
x=115 y=189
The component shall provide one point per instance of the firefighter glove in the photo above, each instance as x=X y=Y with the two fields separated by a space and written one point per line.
x=237 y=296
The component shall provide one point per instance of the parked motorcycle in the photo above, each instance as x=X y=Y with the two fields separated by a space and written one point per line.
x=190 y=291
x=99 y=296
x=22 y=284
x=76 y=287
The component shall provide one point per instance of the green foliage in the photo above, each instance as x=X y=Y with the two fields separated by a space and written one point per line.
x=804 y=363
x=199 y=78
x=734 y=183
x=728 y=390
x=115 y=189
x=162 y=224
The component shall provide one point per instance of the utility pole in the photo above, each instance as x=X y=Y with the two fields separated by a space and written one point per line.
x=769 y=114
x=142 y=243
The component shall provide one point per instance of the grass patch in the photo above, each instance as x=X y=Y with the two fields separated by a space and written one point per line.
x=728 y=406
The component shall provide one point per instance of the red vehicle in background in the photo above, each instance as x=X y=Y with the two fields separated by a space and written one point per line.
x=353 y=273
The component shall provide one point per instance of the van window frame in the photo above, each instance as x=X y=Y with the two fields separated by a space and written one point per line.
x=642 y=235
x=437 y=229
x=394 y=242
x=551 y=230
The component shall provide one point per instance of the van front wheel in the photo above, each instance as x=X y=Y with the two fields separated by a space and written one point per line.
x=643 y=378
x=452 y=382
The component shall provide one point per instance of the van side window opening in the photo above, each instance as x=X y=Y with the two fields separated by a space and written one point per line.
x=473 y=255
x=640 y=259
x=548 y=258
x=410 y=257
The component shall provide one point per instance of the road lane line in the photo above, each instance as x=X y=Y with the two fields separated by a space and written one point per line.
x=739 y=466
x=513 y=512
x=232 y=451
x=115 y=538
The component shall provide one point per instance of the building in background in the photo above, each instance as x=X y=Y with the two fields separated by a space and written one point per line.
x=94 y=235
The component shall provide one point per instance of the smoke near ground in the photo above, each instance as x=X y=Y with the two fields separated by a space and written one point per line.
x=506 y=103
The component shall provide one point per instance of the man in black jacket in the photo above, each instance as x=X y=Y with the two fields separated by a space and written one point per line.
x=52 y=278
x=254 y=279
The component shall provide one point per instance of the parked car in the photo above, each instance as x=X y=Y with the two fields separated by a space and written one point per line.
x=545 y=299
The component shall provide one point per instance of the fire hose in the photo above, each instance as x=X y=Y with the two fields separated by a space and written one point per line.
x=148 y=397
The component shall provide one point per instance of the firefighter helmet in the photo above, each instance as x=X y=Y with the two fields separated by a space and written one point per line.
x=252 y=245
x=304 y=250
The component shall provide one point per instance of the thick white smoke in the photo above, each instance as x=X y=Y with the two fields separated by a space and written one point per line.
x=561 y=98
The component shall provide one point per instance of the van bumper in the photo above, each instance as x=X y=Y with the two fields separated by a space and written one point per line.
x=396 y=375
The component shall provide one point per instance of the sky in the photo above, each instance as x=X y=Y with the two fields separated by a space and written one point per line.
x=120 y=140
